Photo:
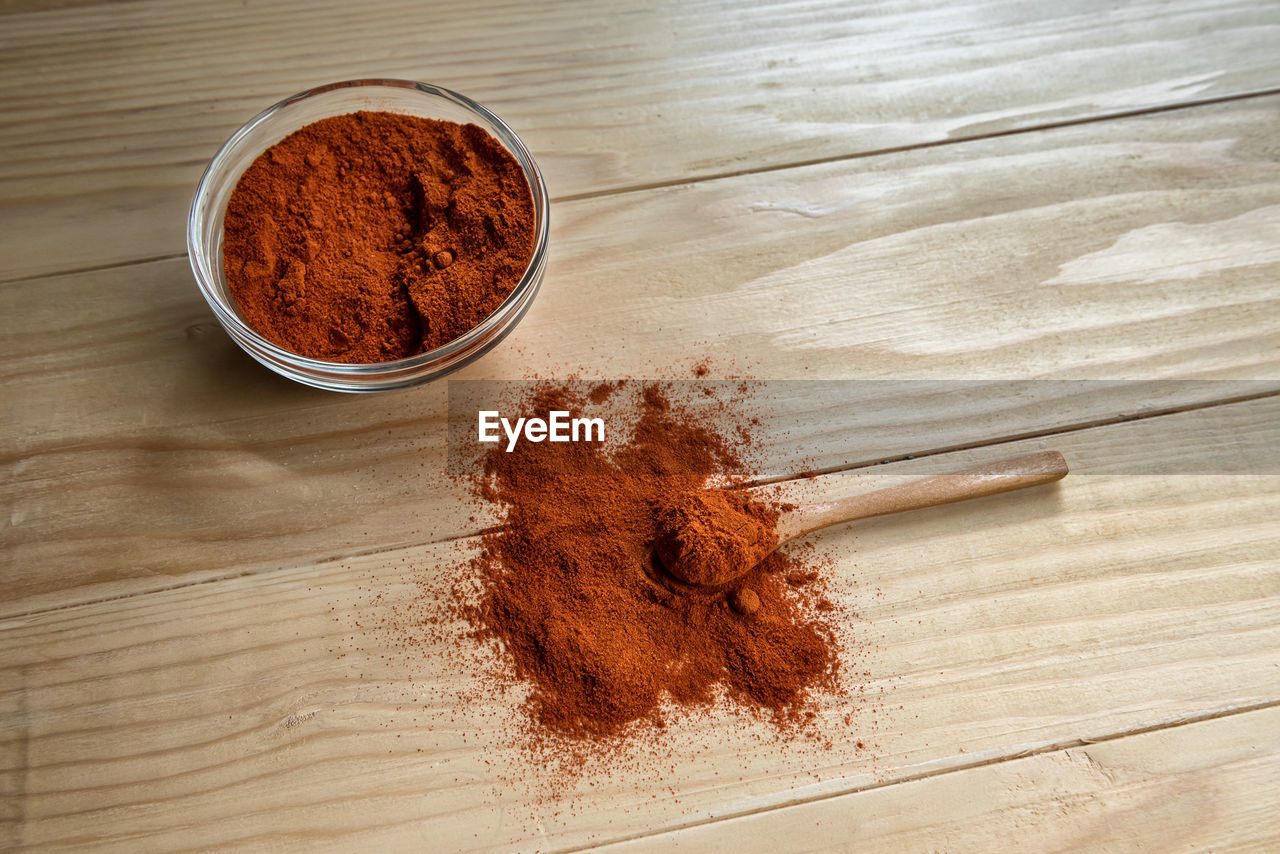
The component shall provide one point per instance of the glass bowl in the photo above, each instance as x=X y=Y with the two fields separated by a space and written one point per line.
x=209 y=206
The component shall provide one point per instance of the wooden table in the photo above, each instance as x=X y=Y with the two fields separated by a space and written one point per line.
x=197 y=554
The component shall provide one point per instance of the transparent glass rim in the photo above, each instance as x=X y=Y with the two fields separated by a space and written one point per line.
x=399 y=373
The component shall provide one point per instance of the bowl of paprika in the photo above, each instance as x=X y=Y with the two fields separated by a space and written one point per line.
x=370 y=235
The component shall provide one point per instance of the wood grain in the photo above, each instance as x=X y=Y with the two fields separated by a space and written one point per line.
x=10 y=7
x=141 y=449
x=213 y=583
x=1207 y=786
x=281 y=711
x=110 y=112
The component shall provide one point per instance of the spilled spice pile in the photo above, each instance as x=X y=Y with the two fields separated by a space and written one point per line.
x=374 y=236
x=569 y=594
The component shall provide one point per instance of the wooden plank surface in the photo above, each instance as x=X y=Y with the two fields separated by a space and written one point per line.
x=207 y=573
x=141 y=449
x=110 y=111
x=198 y=717
x=1206 y=786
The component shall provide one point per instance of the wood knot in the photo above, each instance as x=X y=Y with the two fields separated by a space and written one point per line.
x=295 y=720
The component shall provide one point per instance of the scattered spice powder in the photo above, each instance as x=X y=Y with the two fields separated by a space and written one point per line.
x=374 y=236
x=568 y=593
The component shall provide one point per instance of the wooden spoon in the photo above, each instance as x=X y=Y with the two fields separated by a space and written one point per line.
x=988 y=479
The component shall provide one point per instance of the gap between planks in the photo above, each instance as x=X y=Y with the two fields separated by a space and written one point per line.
x=936 y=143
x=1063 y=430
x=1055 y=747
x=773 y=167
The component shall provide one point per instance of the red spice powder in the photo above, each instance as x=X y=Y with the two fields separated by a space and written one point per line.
x=374 y=236
x=568 y=591
x=710 y=537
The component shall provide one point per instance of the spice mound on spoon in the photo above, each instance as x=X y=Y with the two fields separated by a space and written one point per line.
x=709 y=539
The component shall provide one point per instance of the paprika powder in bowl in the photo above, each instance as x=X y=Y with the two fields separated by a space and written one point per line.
x=370 y=235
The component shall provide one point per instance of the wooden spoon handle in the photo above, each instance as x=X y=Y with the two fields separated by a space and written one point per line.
x=988 y=479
